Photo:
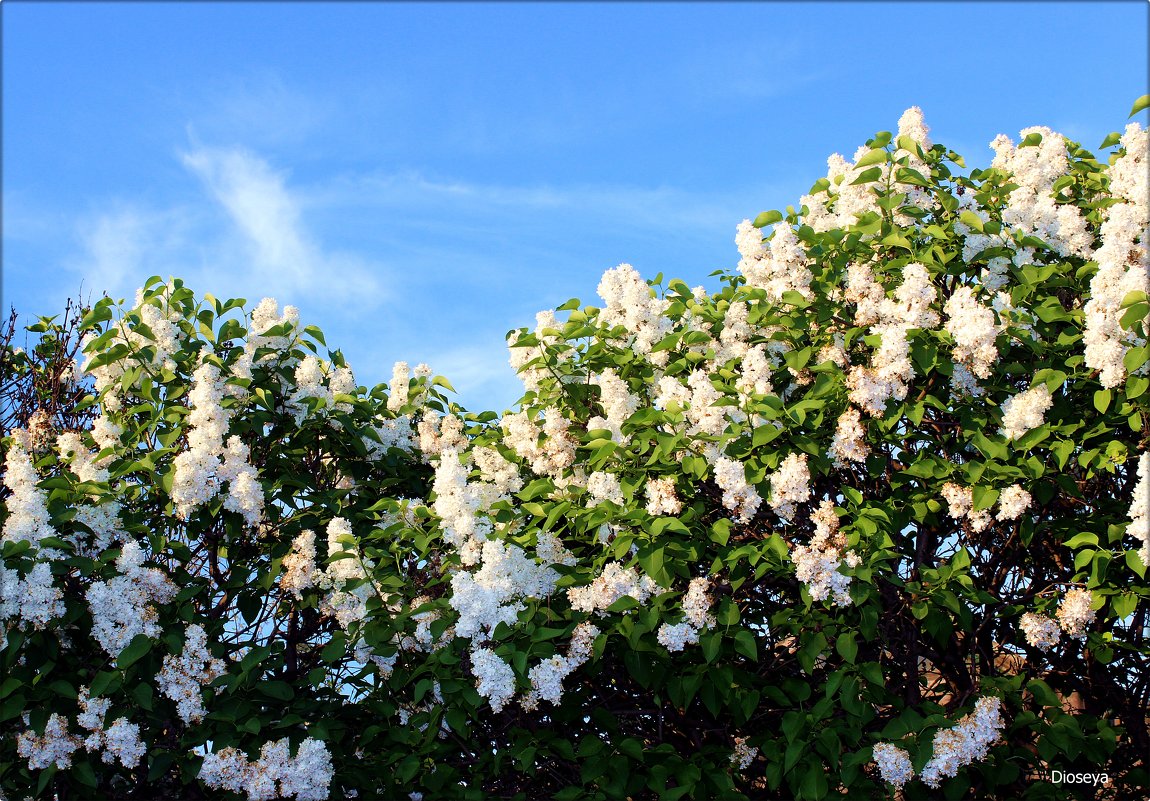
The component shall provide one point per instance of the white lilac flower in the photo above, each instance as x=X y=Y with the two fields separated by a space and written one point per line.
x=849 y=443
x=299 y=565
x=973 y=327
x=183 y=675
x=54 y=747
x=967 y=742
x=739 y=496
x=1041 y=631
x=1024 y=411
x=790 y=484
x=743 y=755
x=1075 y=613
x=817 y=564
x=494 y=678
x=275 y=774
x=1139 y=512
x=1012 y=502
x=894 y=764
x=613 y=583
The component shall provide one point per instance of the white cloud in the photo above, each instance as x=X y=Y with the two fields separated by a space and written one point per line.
x=246 y=236
x=281 y=252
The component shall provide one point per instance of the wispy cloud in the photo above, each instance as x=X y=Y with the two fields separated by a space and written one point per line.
x=244 y=234
x=281 y=250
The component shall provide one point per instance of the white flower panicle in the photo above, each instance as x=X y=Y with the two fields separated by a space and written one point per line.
x=778 y=266
x=182 y=676
x=1031 y=209
x=613 y=583
x=1139 y=512
x=1041 y=631
x=1123 y=262
x=458 y=503
x=122 y=742
x=696 y=609
x=743 y=755
x=740 y=497
x=494 y=678
x=125 y=605
x=849 y=443
x=276 y=774
x=299 y=565
x=630 y=303
x=28 y=504
x=973 y=327
x=894 y=764
x=661 y=497
x=245 y=492
x=604 y=487
x=491 y=595
x=618 y=404
x=33 y=599
x=54 y=747
x=1075 y=613
x=1025 y=411
x=967 y=742
x=551 y=457
x=960 y=501
x=817 y=564
x=547 y=677
x=399 y=386
x=1012 y=502
x=790 y=484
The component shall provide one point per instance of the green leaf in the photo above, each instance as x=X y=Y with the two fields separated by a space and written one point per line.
x=712 y=643
x=1139 y=105
x=1102 y=400
x=876 y=156
x=1082 y=539
x=847 y=646
x=767 y=218
x=277 y=689
x=868 y=176
x=971 y=220
x=134 y=651
x=745 y=644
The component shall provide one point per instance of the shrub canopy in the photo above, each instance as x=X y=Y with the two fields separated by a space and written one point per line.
x=871 y=518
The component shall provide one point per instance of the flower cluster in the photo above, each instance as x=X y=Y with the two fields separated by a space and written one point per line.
x=182 y=676
x=1025 y=411
x=1123 y=262
x=696 y=610
x=790 y=484
x=817 y=564
x=494 y=678
x=743 y=755
x=1041 y=631
x=54 y=747
x=967 y=742
x=613 y=583
x=200 y=469
x=27 y=506
x=547 y=677
x=894 y=764
x=1139 y=512
x=739 y=496
x=974 y=329
x=1075 y=613
x=275 y=774
x=125 y=606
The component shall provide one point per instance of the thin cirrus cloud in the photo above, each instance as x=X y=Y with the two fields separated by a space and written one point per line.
x=281 y=252
x=243 y=235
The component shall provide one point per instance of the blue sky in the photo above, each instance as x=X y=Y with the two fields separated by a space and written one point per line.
x=420 y=178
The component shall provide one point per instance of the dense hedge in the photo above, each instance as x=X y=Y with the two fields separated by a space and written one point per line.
x=871 y=519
